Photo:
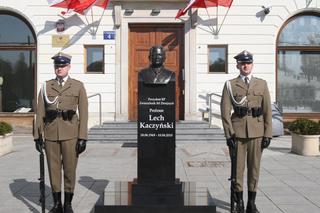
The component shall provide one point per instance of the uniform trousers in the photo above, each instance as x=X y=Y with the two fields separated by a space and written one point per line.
x=248 y=149
x=62 y=155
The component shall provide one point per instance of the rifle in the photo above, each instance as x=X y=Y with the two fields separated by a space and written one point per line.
x=233 y=197
x=42 y=186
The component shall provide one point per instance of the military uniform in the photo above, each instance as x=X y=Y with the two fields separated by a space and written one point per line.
x=249 y=123
x=62 y=117
x=257 y=96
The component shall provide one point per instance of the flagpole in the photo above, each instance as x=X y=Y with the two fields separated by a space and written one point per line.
x=88 y=23
x=223 y=20
x=100 y=20
x=93 y=27
x=216 y=32
x=211 y=28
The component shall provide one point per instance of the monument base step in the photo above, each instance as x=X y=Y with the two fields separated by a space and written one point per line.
x=118 y=198
x=150 y=194
x=155 y=209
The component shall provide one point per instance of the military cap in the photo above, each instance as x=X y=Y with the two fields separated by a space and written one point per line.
x=244 y=56
x=61 y=58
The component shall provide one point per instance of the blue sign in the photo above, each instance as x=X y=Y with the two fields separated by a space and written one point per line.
x=109 y=35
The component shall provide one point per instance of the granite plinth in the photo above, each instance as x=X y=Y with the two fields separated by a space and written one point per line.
x=118 y=199
x=155 y=209
x=157 y=194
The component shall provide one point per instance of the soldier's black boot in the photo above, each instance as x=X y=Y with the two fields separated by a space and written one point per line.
x=251 y=205
x=57 y=205
x=67 y=202
x=239 y=204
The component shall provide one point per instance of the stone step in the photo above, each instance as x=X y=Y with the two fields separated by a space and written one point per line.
x=184 y=124
x=134 y=141
x=182 y=139
x=134 y=131
x=126 y=132
x=178 y=137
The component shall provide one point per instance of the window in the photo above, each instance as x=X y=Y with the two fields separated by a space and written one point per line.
x=298 y=65
x=17 y=64
x=16 y=32
x=94 y=59
x=217 y=58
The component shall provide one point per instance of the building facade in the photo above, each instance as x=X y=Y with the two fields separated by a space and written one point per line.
x=109 y=47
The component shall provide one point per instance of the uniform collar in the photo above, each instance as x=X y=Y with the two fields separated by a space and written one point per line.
x=64 y=79
x=243 y=77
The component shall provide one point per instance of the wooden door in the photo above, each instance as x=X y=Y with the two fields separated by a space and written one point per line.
x=141 y=38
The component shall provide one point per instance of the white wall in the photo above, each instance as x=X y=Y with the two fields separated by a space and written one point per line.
x=242 y=28
x=43 y=19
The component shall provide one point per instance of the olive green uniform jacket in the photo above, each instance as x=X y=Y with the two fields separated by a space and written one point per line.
x=257 y=96
x=72 y=96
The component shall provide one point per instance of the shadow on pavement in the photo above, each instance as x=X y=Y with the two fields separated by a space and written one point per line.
x=280 y=149
x=220 y=204
x=28 y=193
x=95 y=185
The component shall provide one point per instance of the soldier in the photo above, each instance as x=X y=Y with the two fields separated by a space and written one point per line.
x=249 y=127
x=63 y=129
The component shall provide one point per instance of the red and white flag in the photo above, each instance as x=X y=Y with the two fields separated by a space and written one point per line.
x=78 y=6
x=102 y=3
x=203 y=4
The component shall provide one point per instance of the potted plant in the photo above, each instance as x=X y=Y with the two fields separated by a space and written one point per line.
x=305 y=137
x=5 y=138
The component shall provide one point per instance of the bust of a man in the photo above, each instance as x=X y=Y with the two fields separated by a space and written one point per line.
x=156 y=73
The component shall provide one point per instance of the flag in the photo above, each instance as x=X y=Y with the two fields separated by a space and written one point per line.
x=83 y=6
x=102 y=3
x=224 y=3
x=203 y=4
x=78 y=6
x=61 y=3
x=87 y=4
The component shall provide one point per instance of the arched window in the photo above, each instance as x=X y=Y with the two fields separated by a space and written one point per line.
x=17 y=63
x=298 y=66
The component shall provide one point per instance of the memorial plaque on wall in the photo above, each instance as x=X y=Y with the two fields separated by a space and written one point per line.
x=60 y=40
x=156 y=133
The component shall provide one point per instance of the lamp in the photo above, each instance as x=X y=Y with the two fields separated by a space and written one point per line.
x=128 y=11
x=266 y=10
x=155 y=11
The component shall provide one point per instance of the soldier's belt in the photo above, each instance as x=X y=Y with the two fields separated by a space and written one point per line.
x=65 y=114
x=245 y=111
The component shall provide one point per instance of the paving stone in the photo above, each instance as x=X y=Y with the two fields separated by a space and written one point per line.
x=288 y=183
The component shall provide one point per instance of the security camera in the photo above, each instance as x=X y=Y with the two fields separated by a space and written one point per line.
x=266 y=10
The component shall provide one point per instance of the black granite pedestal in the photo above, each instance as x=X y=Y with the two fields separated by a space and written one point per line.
x=156 y=183
x=156 y=188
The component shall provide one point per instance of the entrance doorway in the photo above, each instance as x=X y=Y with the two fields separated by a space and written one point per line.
x=141 y=38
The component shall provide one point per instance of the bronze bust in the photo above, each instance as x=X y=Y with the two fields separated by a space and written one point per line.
x=156 y=73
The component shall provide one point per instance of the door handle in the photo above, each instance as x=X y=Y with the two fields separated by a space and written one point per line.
x=183 y=74
x=183 y=78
